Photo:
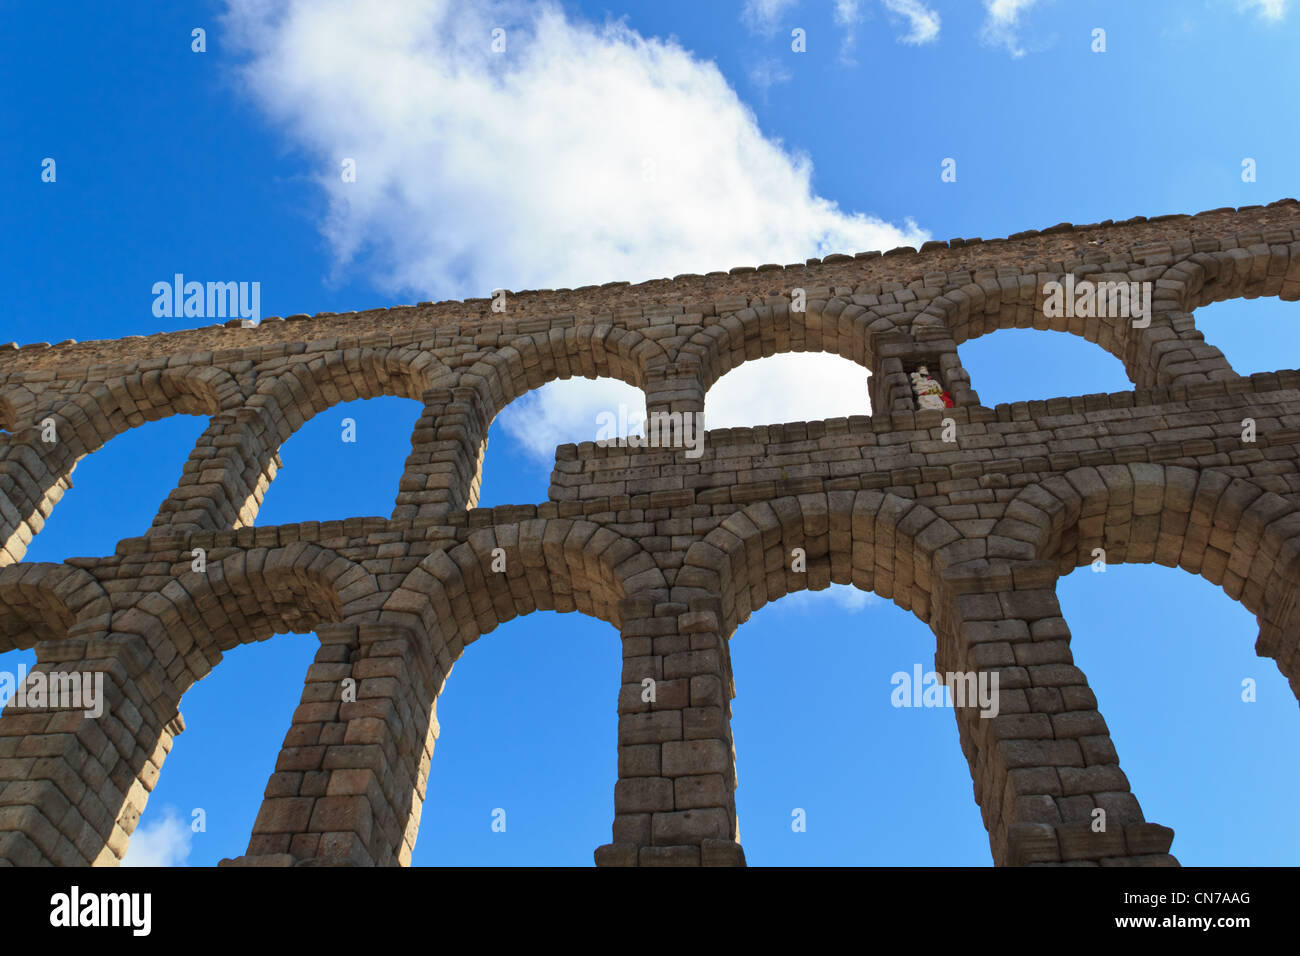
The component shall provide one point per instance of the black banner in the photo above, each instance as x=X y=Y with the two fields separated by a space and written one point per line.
x=337 y=905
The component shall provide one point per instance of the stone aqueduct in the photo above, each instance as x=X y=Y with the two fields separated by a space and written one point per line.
x=674 y=553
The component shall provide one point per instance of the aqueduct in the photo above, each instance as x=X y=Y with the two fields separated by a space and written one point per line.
x=970 y=534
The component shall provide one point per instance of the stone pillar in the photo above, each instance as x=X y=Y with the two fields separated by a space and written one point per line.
x=677 y=388
x=1174 y=352
x=674 y=804
x=1045 y=762
x=350 y=779
x=73 y=784
x=676 y=395
x=227 y=474
x=443 y=470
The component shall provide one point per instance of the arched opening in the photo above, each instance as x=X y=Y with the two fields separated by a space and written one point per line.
x=1255 y=335
x=522 y=440
x=209 y=616
x=59 y=430
x=1019 y=365
x=212 y=786
x=116 y=490
x=821 y=726
x=452 y=599
x=879 y=543
x=1225 y=529
x=1168 y=656
x=524 y=768
x=343 y=463
x=791 y=387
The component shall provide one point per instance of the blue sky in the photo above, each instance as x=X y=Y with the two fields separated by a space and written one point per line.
x=528 y=169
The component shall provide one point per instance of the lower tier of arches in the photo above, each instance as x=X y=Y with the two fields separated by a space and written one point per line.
x=356 y=759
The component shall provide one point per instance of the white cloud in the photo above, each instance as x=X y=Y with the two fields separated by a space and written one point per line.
x=582 y=154
x=564 y=412
x=1265 y=9
x=848 y=16
x=787 y=388
x=846 y=12
x=924 y=21
x=160 y=842
x=767 y=72
x=1002 y=24
x=764 y=16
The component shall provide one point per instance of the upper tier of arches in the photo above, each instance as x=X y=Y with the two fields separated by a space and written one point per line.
x=255 y=407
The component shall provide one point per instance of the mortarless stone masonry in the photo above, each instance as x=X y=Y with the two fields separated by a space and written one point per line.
x=676 y=553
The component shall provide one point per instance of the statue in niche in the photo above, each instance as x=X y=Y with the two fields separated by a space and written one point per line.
x=928 y=392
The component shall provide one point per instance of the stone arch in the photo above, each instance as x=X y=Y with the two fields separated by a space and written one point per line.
x=149 y=654
x=234 y=462
x=250 y=595
x=963 y=588
x=311 y=384
x=834 y=326
x=1168 y=351
x=88 y=420
x=39 y=472
x=377 y=750
x=878 y=542
x=287 y=397
x=531 y=361
x=555 y=564
x=443 y=473
x=1041 y=353
x=1224 y=528
x=1016 y=302
x=990 y=615
x=40 y=602
x=246 y=597
x=1207 y=277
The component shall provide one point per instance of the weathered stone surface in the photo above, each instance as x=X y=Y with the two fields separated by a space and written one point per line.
x=964 y=515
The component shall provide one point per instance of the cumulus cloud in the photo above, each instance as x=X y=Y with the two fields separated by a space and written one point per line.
x=163 y=841
x=1002 y=24
x=580 y=154
x=923 y=21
